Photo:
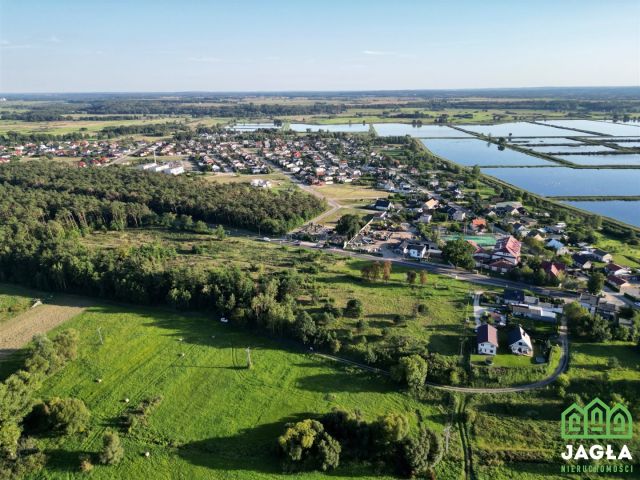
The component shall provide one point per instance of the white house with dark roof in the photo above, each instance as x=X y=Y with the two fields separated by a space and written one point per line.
x=487 y=339
x=520 y=342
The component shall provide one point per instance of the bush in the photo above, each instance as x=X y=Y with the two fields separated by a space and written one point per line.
x=354 y=308
x=112 y=452
x=69 y=415
x=85 y=463
x=307 y=446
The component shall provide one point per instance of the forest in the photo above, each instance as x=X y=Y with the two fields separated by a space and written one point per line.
x=125 y=191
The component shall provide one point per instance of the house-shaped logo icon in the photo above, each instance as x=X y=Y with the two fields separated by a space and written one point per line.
x=597 y=420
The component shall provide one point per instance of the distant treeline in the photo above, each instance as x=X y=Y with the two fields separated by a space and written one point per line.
x=178 y=107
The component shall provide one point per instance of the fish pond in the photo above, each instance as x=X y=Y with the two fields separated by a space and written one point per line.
x=625 y=211
x=345 y=127
x=605 y=128
x=470 y=152
x=424 y=131
x=565 y=181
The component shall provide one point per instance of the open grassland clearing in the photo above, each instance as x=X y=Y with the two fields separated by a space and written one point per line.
x=345 y=192
x=278 y=180
x=70 y=126
x=216 y=419
x=390 y=309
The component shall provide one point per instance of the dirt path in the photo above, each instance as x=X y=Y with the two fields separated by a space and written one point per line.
x=18 y=331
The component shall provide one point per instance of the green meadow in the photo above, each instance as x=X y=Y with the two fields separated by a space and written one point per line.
x=217 y=418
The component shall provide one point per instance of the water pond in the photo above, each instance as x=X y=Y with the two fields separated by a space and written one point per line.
x=606 y=128
x=425 y=131
x=345 y=127
x=470 y=152
x=569 y=181
x=628 y=212
x=619 y=159
x=521 y=129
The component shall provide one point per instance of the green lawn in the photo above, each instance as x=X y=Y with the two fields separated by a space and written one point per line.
x=217 y=419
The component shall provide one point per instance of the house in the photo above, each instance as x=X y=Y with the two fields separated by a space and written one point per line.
x=558 y=246
x=535 y=312
x=554 y=270
x=383 y=204
x=454 y=213
x=508 y=249
x=520 y=342
x=607 y=310
x=615 y=269
x=601 y=256
x=511 y=296
x=425 y=218
x=431 y=204
x=478 y=224
x=582 y=261
x=588 y=301
x=500 y=266
x=487 y=339
x=415 y=250
x=618 y=282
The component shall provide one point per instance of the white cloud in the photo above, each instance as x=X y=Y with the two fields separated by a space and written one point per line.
x=53 y=39
x=204 y=59
x=377 y=52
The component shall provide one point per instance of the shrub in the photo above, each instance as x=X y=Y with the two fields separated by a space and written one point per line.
x=307 y=446
x=68 y=414
x=112 y=452
x=354 y=308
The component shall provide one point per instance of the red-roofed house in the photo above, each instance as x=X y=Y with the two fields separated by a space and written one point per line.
x=553 y=269
x=507 y=249
x=478 y=224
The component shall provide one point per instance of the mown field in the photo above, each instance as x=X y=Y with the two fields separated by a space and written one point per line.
x=216 y=419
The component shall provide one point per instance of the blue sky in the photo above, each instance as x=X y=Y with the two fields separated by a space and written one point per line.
x=163 y=45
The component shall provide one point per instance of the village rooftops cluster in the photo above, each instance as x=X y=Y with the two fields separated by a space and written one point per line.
x=90 y=152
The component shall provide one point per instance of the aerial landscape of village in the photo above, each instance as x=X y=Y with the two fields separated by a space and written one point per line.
x=226 y=257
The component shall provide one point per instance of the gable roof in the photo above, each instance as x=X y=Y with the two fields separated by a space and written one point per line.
x=508 y=245
x=487 y=334
x=517 y=335
x=513 y=295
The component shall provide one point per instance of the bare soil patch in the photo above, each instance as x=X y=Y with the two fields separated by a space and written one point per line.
x=18 y=331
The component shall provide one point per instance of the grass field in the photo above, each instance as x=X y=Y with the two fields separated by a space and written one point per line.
x=438 y=328
x=345 y=192
x=217 y=419
x=69 y=126
x=278 y=180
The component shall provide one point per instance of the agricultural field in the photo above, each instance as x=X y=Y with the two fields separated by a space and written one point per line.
x=216 y=418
